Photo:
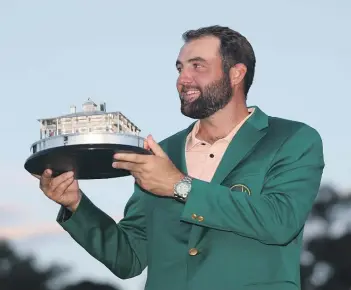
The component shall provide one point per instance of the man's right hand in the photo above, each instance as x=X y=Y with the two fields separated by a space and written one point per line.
x=63 y=189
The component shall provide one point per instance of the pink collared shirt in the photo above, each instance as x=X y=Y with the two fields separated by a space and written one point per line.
x=202 y=158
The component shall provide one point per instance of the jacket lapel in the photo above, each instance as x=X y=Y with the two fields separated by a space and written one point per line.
x=243 y=142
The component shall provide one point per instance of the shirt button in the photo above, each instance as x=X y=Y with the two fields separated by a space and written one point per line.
x=211 y=155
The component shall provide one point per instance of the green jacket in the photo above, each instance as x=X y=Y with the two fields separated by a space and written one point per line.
x=243 y=230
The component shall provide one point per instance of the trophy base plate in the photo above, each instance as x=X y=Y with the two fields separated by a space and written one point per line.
x=87 y=161
x=89 y=156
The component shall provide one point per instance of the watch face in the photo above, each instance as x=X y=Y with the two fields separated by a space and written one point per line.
x=183 y=188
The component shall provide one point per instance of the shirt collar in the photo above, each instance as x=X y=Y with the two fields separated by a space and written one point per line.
x=193 y=141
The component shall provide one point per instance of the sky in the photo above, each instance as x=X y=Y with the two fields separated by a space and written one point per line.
x=54 y=54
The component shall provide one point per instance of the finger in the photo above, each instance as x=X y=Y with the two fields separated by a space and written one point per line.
x=146 y=145
x=131 y=157
x=155 y=147
x=45 y=178
x=127 y=166
x=61 y=188
x=61 y=179
x=135 y=174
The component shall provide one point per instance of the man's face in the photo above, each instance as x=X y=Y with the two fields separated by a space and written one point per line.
x=202 y=86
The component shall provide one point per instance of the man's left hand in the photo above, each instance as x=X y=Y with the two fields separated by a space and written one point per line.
x=154 y=173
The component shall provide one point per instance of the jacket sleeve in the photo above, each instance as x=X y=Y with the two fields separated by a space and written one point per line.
x=121 y=247
x=275 y=215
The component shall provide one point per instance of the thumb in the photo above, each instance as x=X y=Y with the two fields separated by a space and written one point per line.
x=155 y=147
x=46 y=177
x=47 y=173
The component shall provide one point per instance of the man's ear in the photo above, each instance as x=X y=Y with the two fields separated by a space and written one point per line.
x=237 y=74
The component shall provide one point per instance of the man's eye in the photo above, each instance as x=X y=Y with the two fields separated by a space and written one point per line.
x=197 y=65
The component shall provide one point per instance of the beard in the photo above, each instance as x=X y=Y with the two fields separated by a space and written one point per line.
x=213 y=98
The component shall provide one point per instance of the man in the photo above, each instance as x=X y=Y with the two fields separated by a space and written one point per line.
x=219 y=205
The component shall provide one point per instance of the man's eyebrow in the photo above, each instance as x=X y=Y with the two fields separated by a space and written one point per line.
x=178 y=62
x=197 y=59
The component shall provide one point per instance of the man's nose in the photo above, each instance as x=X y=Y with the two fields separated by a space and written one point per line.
x=185 y=78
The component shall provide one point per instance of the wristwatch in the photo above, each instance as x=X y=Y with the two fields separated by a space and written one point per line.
x=182 y=188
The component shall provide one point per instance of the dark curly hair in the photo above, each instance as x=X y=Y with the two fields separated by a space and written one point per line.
x=234 y=48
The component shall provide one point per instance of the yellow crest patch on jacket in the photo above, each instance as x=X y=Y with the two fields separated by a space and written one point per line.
x=241 y=187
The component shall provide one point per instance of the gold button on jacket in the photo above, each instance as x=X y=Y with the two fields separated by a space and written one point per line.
x=193 y=252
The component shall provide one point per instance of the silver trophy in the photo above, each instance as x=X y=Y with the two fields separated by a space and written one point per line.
x=85 y=143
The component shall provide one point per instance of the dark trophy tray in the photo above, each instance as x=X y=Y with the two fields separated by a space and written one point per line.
x=90 y=156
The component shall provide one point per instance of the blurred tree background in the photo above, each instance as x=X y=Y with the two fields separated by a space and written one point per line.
x=325 y=261
x=20 y=273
